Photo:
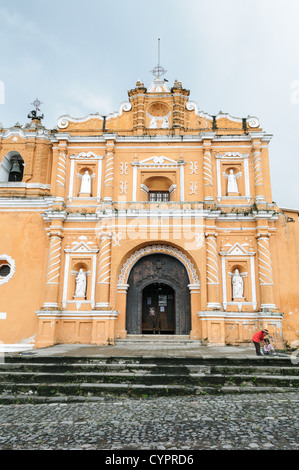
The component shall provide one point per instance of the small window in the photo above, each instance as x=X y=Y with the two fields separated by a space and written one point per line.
x=4 y=270
x=158 y=196
x=7 y=268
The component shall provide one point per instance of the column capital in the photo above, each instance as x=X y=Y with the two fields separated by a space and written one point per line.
x=211 y=234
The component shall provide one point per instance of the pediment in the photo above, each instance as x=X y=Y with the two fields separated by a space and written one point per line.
x=161 y=161
x=81 y=247
x=238 y=250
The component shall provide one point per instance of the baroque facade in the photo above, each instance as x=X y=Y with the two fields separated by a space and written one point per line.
x=156 y=219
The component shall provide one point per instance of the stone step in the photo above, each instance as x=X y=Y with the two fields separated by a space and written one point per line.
x=44 y=379
x=30 y=391
x=129 y=360
x=192 y=379
x=140 y=392
x=160 y=339
x=183 y=369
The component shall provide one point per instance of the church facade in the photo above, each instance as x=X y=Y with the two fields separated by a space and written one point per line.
x=156 y=219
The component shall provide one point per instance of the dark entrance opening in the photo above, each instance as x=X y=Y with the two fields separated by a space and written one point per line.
x=158 y=309
x=154 y=277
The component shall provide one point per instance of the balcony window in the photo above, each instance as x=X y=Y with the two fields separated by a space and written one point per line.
x=159 y=196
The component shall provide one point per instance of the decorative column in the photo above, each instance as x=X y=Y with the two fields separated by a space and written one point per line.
x=207 y=173
x=258 y=172
x=104 y=272
x=109 y=170
x=265 y=272
x=195 y=332
x=212 y=272
x=54 y=259
x=49 y=312
x=58 y=177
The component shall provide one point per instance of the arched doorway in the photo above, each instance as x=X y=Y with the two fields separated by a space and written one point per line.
x=160 y=281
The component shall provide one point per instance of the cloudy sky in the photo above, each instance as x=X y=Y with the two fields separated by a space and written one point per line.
x=234 y=56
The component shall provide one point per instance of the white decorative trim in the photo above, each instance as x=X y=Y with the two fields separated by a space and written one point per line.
x=86 y=155
x=157 y=162
x=144 y=188
x=232 y=155
x=182 y=183
x=16 y=184
x=253 y=287
x=71 y=314
x=236 y=315
x=134 y=190
x=124 y=106
x=72 y=172
x=63 y=121
x=228 y=117
x=151 y=249
x=99 y=188
x=11 y=262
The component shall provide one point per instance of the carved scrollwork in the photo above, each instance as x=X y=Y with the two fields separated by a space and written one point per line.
x=253 y=122
x=62 y=123
x=192 y=106
x=125 y=106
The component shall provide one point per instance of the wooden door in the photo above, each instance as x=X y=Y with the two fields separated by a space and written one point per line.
x=158 y=309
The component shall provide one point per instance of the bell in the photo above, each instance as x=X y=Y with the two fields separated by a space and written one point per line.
x=15 y=173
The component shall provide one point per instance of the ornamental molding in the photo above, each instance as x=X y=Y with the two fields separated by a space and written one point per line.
x=232 y=155
x=87 y=155
x=63 y=121
x=237 y=250
x=151 y=249
x=156 y=161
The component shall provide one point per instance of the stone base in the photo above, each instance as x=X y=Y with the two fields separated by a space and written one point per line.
x=233 y=328
x=85 y=327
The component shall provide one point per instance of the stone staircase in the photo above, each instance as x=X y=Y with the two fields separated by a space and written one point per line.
x=53 y=379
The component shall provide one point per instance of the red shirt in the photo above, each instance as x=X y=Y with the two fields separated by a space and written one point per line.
x=259 y=336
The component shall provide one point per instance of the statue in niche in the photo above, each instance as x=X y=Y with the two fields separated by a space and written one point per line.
x=238 y=285
x=86 y=183
x=80 y=284
x=153 y=123
x=232 y=186
x=165 y=123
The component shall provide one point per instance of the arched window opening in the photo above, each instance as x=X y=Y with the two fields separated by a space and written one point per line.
x=159 y=188
x=12 y=168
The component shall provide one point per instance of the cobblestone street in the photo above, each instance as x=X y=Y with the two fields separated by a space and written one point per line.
x=253 y=422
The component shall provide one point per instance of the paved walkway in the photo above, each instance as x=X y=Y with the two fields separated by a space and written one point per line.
x=145 y=348
x=208 y=422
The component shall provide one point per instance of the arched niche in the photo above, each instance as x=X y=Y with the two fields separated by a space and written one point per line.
x=158 y=188
x=12 y=161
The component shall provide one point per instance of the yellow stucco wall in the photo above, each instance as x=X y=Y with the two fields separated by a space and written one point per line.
x=51 y=230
